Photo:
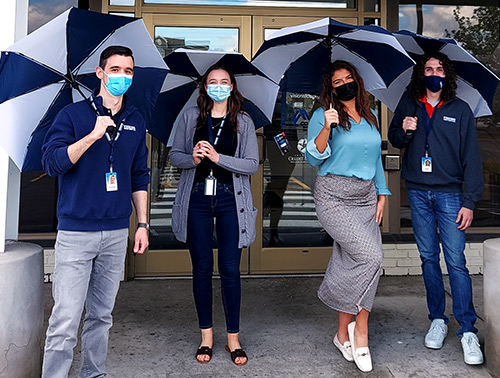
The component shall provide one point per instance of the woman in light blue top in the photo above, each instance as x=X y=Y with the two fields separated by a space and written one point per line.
x=349 y=194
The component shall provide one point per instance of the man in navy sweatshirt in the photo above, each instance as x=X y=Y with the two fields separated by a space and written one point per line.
x=444 y=179
x=97 y=149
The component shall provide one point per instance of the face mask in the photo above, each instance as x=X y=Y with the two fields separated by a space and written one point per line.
x=434 y=83
x=218 y=92
x=347 y=91
x=118 y=84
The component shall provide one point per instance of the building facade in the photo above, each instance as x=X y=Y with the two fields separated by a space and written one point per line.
x=289 y=237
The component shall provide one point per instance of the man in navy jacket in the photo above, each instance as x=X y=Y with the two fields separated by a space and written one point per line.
x=444 y=179
x=97 y=149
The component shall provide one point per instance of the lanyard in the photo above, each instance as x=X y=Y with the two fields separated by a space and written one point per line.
x=111 y=139
x=428 y=122
x=210 y=131
x=210 y=136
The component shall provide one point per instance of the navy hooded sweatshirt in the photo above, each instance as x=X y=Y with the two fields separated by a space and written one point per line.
x=83 y=203
x=453 y=147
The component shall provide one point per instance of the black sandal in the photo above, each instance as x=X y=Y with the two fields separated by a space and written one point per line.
x=204 y=350
x=237 y=353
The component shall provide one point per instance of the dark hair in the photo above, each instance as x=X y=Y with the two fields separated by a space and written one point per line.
x=113 y=50
x=362 y=102
x=417 y=85
x=205 y=103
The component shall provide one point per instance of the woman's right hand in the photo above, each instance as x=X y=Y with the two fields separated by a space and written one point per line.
x=331 y=116
x=197 y=154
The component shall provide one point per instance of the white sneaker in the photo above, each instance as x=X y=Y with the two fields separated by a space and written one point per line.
x=345 y=349
x=436 y=334
x=472 y=349
x=361 y=356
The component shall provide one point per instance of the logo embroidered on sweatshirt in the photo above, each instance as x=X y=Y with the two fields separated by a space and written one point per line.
x=128 y=127
x=449 y=119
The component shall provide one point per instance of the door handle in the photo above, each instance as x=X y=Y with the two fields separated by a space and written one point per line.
x=264 y=153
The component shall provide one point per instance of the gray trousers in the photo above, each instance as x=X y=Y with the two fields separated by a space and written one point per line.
x=88 y=268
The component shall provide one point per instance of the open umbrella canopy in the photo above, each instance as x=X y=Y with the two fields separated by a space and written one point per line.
x=298 y=56
x=476 y=84
x=55 y=66
x=181 y=88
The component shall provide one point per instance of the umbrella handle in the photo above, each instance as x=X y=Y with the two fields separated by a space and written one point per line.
x=332 y=126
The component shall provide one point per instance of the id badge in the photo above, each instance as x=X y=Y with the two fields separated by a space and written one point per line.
x=426 y=164
x=111 y=182
x=210 y=186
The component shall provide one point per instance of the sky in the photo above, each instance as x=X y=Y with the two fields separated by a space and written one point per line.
x=42 y=11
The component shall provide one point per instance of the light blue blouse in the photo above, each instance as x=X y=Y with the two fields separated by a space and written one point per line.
x=353 y=153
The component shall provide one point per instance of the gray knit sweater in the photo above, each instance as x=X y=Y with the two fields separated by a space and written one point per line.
x=242 y=165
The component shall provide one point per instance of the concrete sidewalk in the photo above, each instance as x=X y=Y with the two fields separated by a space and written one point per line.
x=285 y=330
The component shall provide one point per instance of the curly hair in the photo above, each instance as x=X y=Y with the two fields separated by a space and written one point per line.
x=205 y=103
x=417 y=86
x=327 y=96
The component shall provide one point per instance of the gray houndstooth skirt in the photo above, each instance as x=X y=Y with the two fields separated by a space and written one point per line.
x=346 y=208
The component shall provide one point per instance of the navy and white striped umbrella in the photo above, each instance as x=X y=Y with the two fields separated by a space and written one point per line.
x=298 y=56
x=476 y=84
x=55 y=65
x=180 y=88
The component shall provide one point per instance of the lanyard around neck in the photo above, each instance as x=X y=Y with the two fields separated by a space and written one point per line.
x=111 y=139
x=210 y=131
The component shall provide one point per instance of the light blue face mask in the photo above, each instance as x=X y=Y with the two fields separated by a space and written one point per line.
x=118 y=84
x=218 y=92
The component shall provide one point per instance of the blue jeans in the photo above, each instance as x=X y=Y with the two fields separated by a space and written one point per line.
x=427 y=208
x=203 y=210
x=88 y=269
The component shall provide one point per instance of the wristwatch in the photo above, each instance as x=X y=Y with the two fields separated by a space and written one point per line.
x=143 y=225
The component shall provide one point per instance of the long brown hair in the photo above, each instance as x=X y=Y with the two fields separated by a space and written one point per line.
x=205 y=103
x=362 y=103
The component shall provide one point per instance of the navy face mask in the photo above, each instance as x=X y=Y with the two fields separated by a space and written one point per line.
x=434 y=83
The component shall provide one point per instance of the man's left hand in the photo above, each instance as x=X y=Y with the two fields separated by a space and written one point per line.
x=141 y=240
x=464 y=217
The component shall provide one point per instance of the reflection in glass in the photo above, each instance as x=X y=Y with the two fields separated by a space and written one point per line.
x=122 y=2
x=371 y=21
x=372 y=6
x=167 y=39
x=289 y=214
x=164 y=177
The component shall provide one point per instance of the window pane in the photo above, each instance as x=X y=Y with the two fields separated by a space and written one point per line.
x=122 y=2
x=164 y=177
x=372 y=5
x=167 y=39
x=264 y=3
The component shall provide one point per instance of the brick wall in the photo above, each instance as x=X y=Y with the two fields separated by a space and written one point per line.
x=399 y=260
x=403 y=259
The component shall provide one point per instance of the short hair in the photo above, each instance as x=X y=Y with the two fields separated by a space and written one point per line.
x=114 y=50
x=417 y=85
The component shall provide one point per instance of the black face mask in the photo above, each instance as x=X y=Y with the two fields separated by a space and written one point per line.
x=347 y=91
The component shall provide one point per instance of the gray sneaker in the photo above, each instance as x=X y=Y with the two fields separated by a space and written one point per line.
x=472 y=349
x=436 y=334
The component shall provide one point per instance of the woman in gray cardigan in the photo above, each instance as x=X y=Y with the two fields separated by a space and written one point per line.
x=215 y=146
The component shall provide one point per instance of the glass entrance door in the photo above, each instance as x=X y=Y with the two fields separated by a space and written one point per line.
x=221 y=33
x=291 y=238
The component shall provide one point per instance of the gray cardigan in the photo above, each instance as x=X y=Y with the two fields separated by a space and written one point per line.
x=243 y=164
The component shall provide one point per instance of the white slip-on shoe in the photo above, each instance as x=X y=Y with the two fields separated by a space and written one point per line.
x=345 y=349
x=361 y=356
x=472 y=349
x=436 y=334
